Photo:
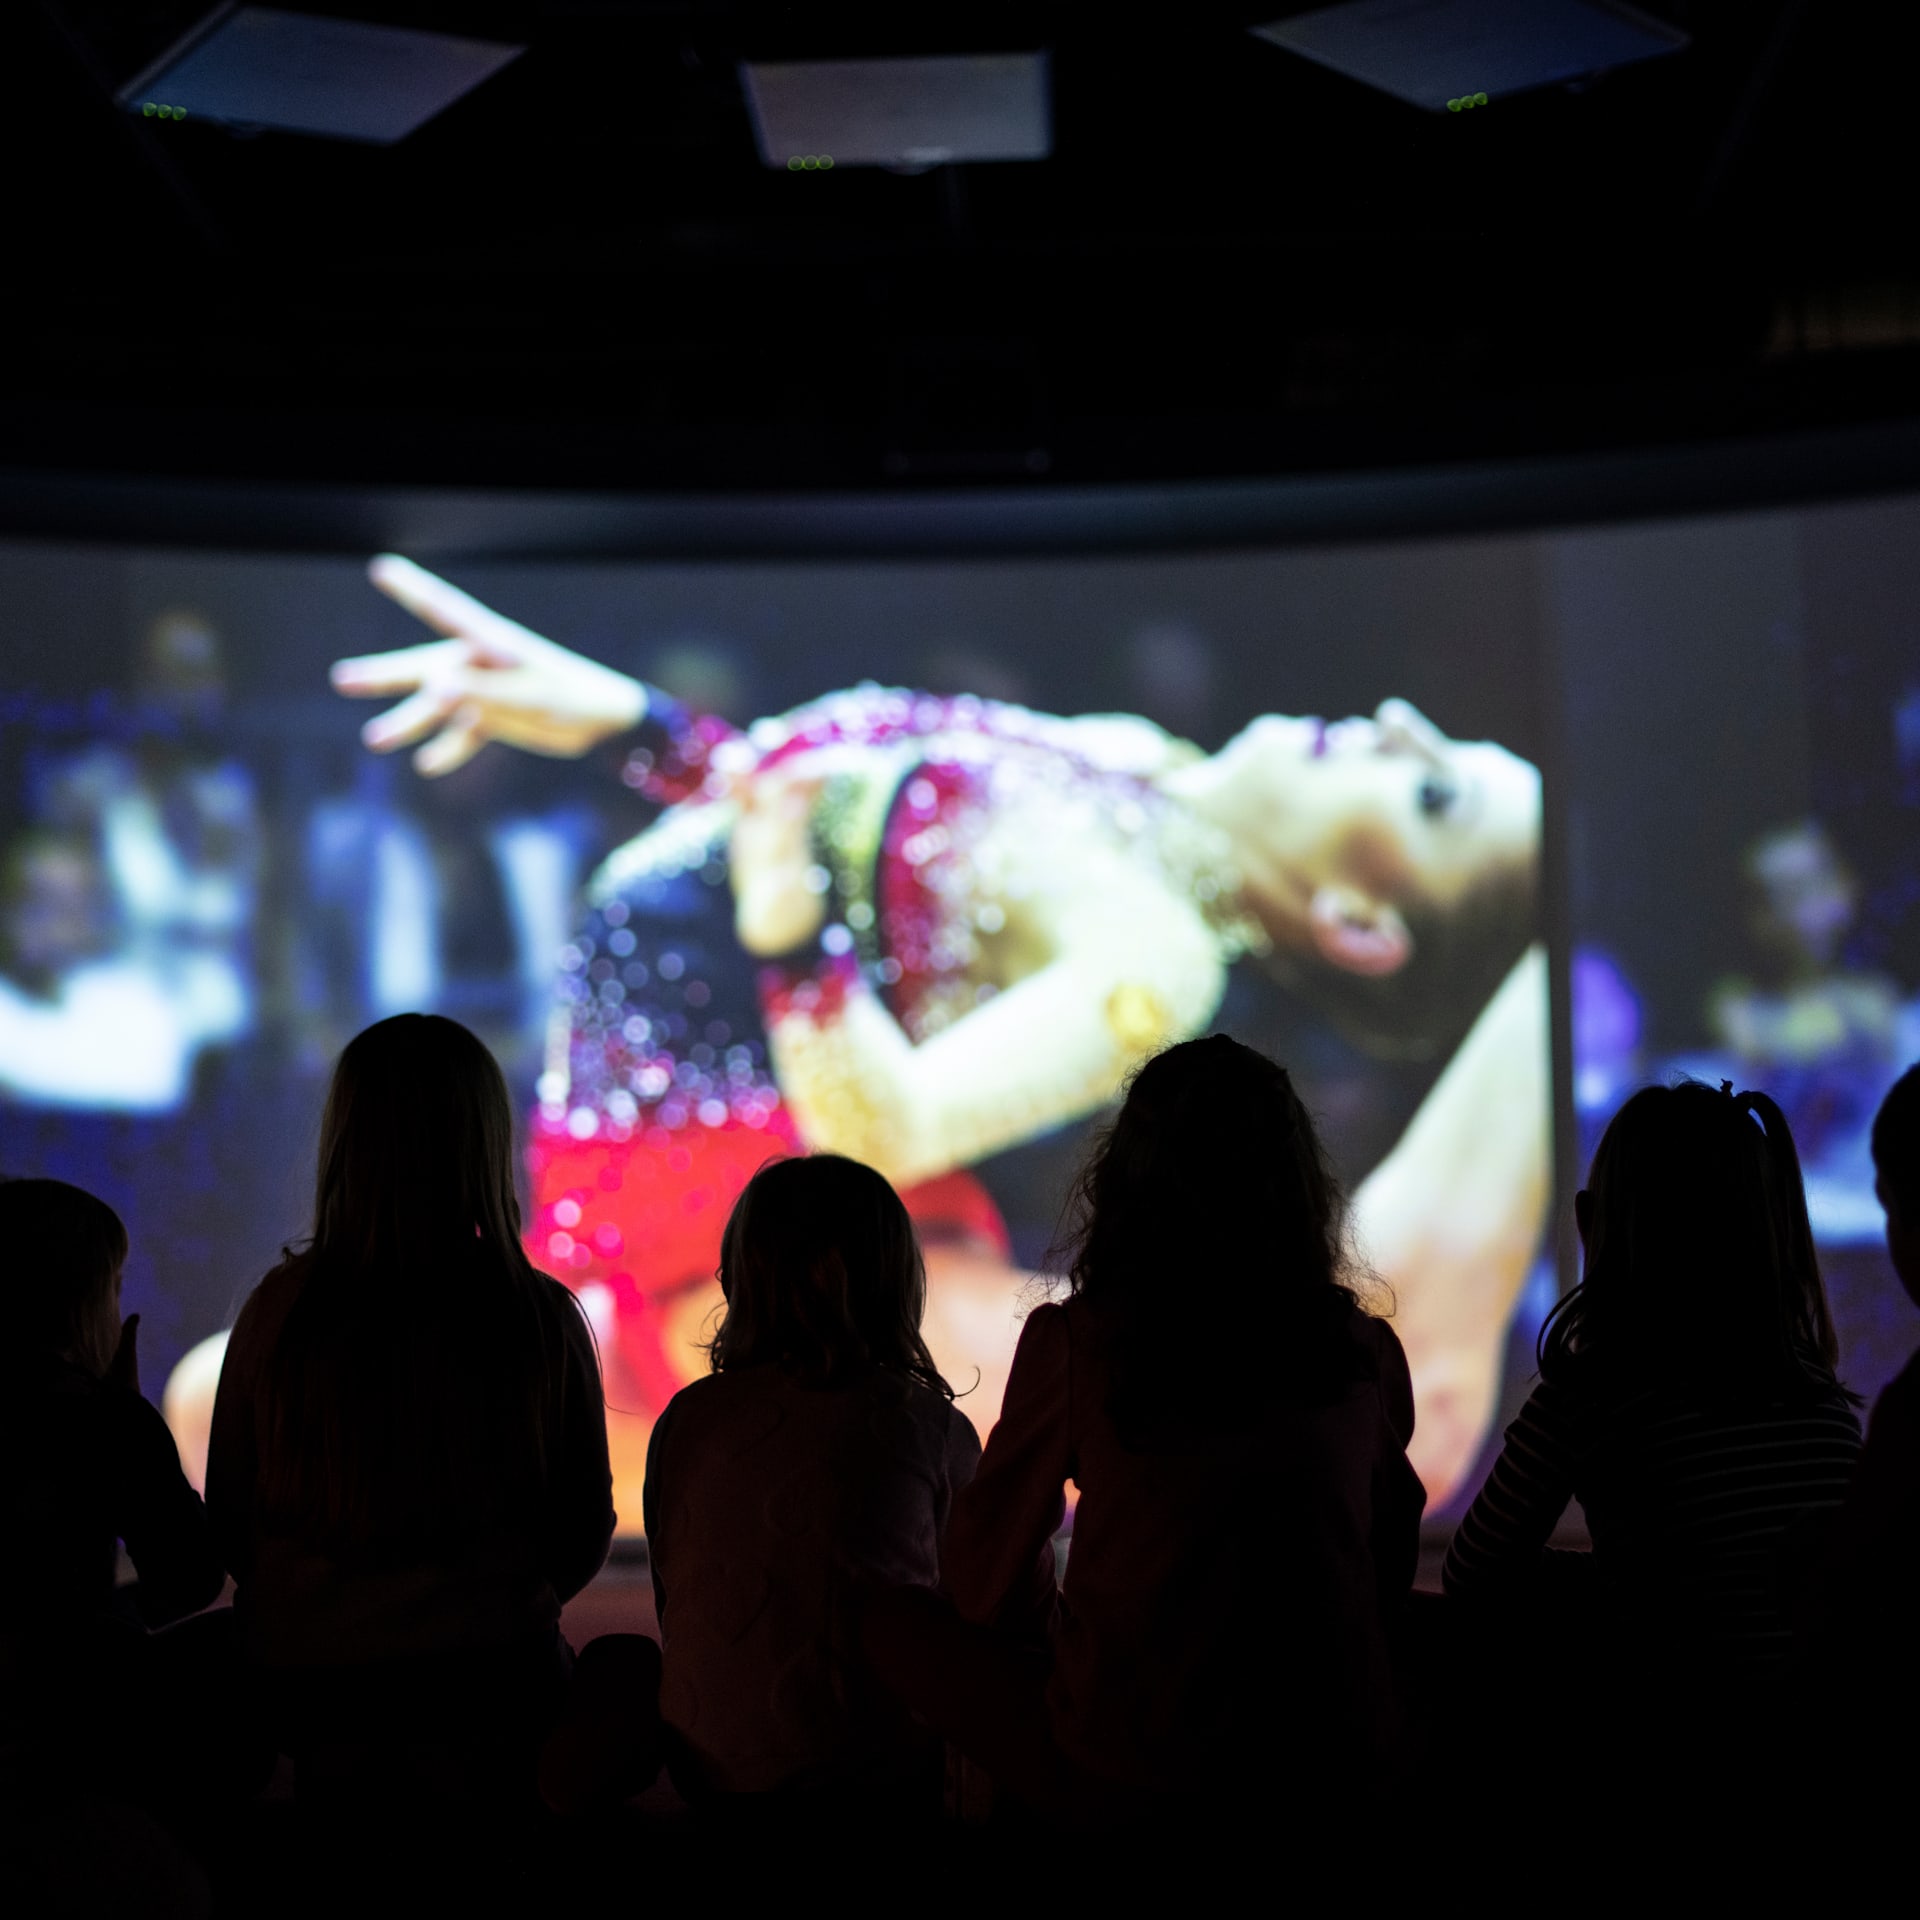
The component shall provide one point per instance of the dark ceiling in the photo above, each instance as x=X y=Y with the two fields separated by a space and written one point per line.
x=1235 y=262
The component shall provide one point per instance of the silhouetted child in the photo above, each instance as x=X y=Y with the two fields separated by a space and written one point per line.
x=1687 y=1399
x=819 y=1460
x=89 y=1464
x=408 y=1471
x=1248 y=1522
x=1862 y=1642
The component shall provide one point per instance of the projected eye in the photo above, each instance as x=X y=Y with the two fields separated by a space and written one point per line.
x=1437 y=796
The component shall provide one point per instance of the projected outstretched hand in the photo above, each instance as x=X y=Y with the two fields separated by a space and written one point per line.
x=489 y=679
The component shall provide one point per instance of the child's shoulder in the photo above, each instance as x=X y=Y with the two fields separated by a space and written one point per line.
x=938 y=1410
x=716 y=1399
x=1072 y=1318
x=1896 y=1414
x=279 y=1287
x=56 y=1389
x=709 y=1393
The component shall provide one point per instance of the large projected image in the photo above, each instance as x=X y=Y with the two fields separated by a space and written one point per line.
x=911 y=862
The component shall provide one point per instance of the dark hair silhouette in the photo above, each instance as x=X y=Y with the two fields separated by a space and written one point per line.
x=1212 y=1177
x=414 y=1374
x=822 y=1275
x=65 y=1249
x=1700 y=1265
x=1896 y=1147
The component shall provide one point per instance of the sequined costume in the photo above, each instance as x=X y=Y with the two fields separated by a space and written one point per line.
x=661 y=1097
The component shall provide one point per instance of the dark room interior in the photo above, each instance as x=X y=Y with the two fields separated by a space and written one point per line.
x=1045 y=884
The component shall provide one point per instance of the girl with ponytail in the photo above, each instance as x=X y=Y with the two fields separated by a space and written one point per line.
x=1687 y=1399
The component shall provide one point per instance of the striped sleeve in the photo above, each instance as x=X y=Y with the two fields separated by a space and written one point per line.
x=1503 y=1538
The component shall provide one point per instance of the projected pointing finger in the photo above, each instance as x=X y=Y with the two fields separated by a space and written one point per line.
x=438 y=603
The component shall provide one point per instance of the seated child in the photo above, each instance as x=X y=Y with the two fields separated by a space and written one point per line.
x=1863 y=1605
x=1248 y=1523
x=818 y=1461
x=408 y=1466
x=1688 y=1400
x=92 y=1464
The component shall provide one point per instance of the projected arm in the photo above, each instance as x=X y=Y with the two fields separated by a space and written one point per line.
x=1126 y=967
x=489 y=679
x=1451 y=1218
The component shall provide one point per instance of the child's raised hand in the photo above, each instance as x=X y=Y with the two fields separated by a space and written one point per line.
x=123 y=1370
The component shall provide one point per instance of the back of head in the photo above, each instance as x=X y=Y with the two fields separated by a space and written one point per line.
x=64 y=1251
x=1207 y=1227
x=1700 y=1266
x=1896 y=1150
x=413 y=1372
x=823 y=1276
x=416 y=1148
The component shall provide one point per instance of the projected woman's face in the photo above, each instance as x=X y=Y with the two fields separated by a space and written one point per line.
x=1349 y=828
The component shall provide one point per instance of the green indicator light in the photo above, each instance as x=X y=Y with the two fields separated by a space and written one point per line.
x=1479 y=99
x=826 y=159
x=793 y=163
x=148 y=110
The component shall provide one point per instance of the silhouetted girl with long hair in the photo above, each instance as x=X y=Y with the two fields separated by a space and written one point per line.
x=1248 y=1523
x=90 y=1463
x=93 y=1461
x=819 y=1459
x=1687 y=1397
x=408 y=1470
